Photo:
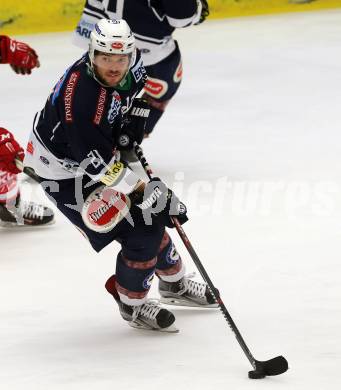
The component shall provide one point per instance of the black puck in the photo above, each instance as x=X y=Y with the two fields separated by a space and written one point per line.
x=256 y=374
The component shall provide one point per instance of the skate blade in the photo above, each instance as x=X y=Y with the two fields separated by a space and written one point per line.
x=142 y=326
x=15 y=225
x=185 y=302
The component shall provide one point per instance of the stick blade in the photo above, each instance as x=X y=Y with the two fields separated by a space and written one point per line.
x=275 y=366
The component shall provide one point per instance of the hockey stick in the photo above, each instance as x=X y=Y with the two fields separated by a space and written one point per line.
x=28 y=171
x=261 y=369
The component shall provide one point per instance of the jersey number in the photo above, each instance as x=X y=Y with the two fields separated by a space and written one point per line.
x=113 y=8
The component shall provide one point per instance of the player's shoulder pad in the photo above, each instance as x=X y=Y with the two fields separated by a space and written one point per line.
x=138 y=70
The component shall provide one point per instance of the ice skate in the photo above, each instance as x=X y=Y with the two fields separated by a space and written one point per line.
x=149 y=316
x=186 y=292
x=26 y=214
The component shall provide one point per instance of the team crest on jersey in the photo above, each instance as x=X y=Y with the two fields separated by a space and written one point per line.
x=155 y=87
x=115 y=107
x=139 y=71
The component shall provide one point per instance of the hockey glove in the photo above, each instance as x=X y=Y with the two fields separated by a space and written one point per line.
x=205 y=11
x=19 y=55
x=9 y=150
x=134 y=125
x=159 y=203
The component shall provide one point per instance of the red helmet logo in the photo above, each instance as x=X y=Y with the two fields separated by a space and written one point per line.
x=117 y=45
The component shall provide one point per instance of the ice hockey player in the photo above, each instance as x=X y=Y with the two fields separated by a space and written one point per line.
x=152 y=22
x=79 y=136
x=20 y=56
x=13 y=210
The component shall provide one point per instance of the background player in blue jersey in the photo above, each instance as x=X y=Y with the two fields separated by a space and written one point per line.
x=91 y=116
x=152 y=22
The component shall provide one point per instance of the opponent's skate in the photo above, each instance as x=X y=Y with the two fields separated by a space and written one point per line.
x=186 y=292
x=25 y=214
x=149 y=316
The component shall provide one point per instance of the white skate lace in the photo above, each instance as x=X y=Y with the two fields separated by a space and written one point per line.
x=32 y=210
x=193 y=288
x=149 y=309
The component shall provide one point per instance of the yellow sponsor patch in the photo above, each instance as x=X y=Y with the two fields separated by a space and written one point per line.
x=113 y=174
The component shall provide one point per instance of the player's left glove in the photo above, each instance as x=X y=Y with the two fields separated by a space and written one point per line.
x=134 y=125
x=205 y=11
x=19 y=55
x=9 y=150
x=160 y=203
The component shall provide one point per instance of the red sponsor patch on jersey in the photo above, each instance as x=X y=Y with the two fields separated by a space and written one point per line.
x=155 y=87
x=100 y=106
x=117 y=45
x=30 y=148
x=104 y=209
x=68 y=95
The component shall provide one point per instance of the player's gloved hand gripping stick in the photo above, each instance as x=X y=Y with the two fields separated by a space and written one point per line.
x=261 y=369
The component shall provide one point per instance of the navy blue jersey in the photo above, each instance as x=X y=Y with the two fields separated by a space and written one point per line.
x=82 y=119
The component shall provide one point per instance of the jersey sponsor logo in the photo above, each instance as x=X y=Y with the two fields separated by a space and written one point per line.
x=155 y=87
x=44 y=160
x=84 y=29
x=139 y=111
x=112 y=174
x=83 y=32
x=115 y=107
x=100 y=106
x=7 y=178
x=8 y=183
x=5 y=136
x=30 y=148
x=68 y=95
x=117 y=45
x=178 y=73
x=98 y=214
x=139 y=71
x=104 y=209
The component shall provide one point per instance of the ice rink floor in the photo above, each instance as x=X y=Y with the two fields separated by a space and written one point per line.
x=252 y=145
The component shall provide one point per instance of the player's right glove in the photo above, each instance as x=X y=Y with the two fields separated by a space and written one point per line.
x=9 y=150
x=19 y=55
x=160 y=203
x=134 y=125
x=205 y=11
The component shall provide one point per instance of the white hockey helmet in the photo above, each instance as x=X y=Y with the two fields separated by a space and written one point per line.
x=112 y=37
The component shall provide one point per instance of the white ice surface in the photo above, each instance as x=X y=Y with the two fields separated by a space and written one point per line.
x=253 y=138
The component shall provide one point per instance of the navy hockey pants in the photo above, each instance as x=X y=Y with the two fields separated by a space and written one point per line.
x=146 y=249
